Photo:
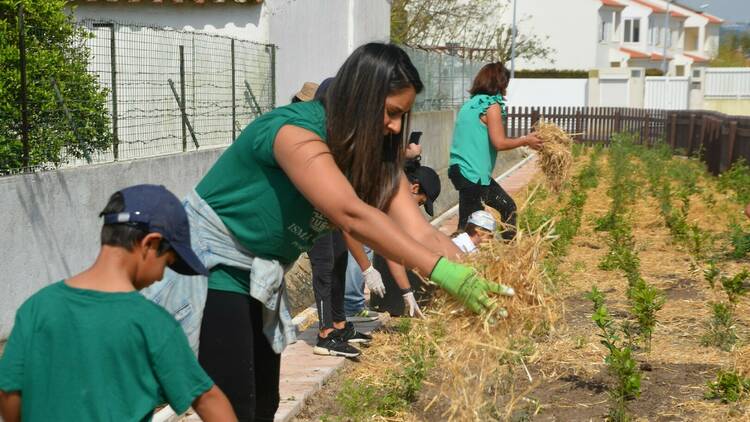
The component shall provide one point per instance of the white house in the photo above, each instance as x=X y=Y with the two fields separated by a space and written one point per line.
x=313 y=36
x=589 y=34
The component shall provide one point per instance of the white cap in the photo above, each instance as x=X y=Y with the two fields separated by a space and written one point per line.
x=483 y=219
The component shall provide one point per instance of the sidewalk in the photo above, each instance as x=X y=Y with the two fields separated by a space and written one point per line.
x=303 y=373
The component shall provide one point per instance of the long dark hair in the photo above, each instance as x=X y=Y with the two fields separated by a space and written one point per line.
x=355 y=107
x=491 y=79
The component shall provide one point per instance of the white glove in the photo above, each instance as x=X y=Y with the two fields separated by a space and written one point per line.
x=411 y=304
x=374 y=281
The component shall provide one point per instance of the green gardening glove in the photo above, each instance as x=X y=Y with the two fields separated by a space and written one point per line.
x=464 y=284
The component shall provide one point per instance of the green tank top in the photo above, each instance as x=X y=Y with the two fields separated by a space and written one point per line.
x=471 y=149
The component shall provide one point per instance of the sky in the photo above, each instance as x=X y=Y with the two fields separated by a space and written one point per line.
x=729 y=10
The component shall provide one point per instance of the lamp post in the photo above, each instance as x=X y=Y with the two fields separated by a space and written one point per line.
x=667 y=37
x=513 y=44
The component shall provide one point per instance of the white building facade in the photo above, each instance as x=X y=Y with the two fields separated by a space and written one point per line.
x=590 y=34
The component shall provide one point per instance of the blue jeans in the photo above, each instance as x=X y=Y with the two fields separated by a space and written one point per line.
x=354 y=293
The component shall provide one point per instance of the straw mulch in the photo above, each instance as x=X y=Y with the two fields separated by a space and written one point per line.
x=555 y=157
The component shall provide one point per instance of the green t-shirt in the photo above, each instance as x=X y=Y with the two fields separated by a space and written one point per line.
x=85 y=355
x=254 y=197
x=471 y=148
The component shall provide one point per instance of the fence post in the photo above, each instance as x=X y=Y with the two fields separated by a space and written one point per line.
x=23 y=88
x=273 y=75
x=113 y=82
x=647 y=129
x=534 y=116
x=618 y=120
x=673 y=131
x=182 y=103
x=234 y=108
x=691 y=134
x=730 y=145
x=578 y=125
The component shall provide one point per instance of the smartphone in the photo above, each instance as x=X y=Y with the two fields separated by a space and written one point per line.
x=414 y=137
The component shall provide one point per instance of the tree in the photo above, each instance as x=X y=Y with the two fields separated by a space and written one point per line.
x=55 y=48
x=471 y=28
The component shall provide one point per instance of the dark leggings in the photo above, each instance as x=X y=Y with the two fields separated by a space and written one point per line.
x=328 y=259
x=237 y=356
x=471 y=196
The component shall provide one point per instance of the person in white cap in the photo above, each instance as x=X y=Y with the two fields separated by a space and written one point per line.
x=479 y=228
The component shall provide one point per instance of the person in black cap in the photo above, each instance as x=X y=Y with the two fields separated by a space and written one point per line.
x=91 y=348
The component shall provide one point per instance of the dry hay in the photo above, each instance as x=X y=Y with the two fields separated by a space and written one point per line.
x=555 y=157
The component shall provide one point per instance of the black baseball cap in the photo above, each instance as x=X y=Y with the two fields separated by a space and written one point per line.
x=159 y=211
x=429 y=183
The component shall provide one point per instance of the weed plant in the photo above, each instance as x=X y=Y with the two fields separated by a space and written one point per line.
x=711 y=273
x=646 y=300
x=737 y=180
x=740 y=241
x=735 y=286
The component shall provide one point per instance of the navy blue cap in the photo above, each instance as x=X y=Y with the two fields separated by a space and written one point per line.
x=323 y=88
x=160 y=212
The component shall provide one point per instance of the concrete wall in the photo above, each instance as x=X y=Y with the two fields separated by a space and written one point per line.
x=50 y=223
x=51 y=229
x=548 y=92
x=734 y=107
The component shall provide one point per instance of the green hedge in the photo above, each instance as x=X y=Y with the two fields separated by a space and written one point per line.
x=552 y=74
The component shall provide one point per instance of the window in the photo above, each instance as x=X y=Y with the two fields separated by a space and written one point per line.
x=680 y=70
x=614 y=64
x=632 y=30
x=605 y=30
x=653 y=32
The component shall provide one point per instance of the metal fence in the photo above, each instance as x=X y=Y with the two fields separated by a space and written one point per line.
x=166 y=91
x=446 y=79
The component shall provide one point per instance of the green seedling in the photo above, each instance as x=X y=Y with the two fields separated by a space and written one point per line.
x=740 y=241
x=646 y=301
x=711 y=273
x=729 y=387
x=720 y=332
x=735 y=286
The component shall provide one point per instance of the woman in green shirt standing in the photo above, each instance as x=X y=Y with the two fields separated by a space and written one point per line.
x=478 y=136
x=292 y=175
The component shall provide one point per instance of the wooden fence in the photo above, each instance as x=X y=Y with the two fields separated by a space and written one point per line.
x=592 y=124
x=718 y=138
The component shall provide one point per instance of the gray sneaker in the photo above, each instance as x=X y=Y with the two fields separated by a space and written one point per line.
x=365 y=315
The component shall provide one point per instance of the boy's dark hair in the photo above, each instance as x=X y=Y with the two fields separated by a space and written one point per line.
x=471 y=229
x=124 y=235
x=410 y=168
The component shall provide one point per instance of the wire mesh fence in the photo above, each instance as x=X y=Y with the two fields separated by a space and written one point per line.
x=160 y=90
x=446 y=79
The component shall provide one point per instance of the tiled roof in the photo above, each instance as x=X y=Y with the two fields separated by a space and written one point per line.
x=169 y=1
x=712 y=18
x=612 y=3
x=634 y=54
x=697 y=59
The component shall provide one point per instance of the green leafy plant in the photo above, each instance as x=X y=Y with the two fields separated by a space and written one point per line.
x=740 y=241
x=646 y=301
x=737 y=180
x=620 y=362
x=720 y=332
x=54 y=49
x=728 y=387
x=711 y=273
x=735 y=286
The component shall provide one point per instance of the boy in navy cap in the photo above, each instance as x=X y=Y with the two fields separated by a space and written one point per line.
x=91 y=348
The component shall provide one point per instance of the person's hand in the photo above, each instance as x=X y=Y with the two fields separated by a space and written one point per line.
x=463 y=283
x=410 y=305
x=374 y=281
x=413 y=151
x=533 y=142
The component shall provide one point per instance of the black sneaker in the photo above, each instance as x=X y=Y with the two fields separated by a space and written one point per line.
x=335 y=345
x=349 y=334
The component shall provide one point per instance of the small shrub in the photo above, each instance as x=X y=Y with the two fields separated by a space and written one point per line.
x=740 y=241
x=711 y=273
x=728 y=387
x=735 y=286
x=737 y=180
x=720 y=332
x=646 y=301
